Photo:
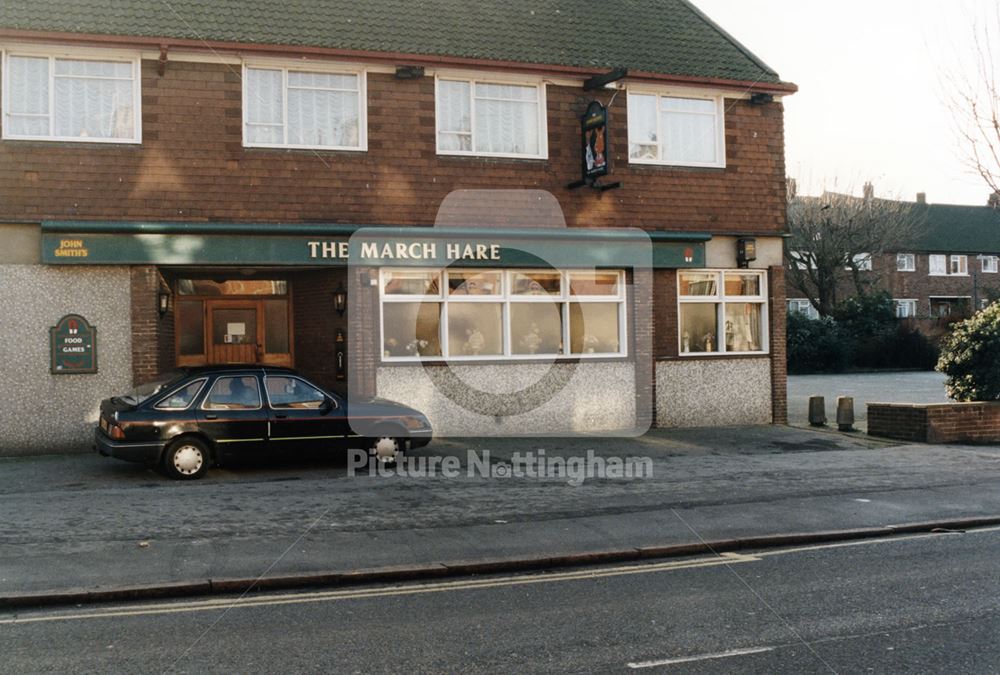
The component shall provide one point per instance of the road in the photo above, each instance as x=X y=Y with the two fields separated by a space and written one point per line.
x=926 y=603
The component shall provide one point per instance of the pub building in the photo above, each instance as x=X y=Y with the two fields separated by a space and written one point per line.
x=513 y=224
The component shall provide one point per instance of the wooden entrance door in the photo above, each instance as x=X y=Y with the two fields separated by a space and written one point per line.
x=234 y=328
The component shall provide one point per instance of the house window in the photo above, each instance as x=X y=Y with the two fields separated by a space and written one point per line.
x=802 y=306
x=906 y=262
x=678 y=131
x=959 y=264
x=284 y=107
x=802 y=260
x=491 y=119
x=941 y=265
x=722 y=311
x=502 y=314
x=989 y=263
x=905 y=309
x=861 y=261
x=50 y=98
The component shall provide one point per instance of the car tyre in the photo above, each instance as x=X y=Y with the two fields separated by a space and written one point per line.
x=386 y=450
x=186 y=459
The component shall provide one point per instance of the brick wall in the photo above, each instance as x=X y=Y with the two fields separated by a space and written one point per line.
x=976 y=422
x=152 y=335
x=779 y=363
x=191 y=165
x=316 y=323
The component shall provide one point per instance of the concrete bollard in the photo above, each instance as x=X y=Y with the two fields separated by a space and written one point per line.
x=817 y=411
x=845 y=413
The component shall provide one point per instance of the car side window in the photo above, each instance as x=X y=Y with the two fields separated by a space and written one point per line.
x=291 y=392
x=234 y=393
x=181 y=398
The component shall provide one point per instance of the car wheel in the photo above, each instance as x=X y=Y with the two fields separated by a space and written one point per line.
x=386 y=450
x=186 y=459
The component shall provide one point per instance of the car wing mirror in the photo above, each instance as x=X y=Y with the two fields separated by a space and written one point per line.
x=328 y=405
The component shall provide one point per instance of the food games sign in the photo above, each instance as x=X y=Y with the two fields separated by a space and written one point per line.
x=73 y=346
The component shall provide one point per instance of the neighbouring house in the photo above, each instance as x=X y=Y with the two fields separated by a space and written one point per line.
x=213 y=182
x=947 y=270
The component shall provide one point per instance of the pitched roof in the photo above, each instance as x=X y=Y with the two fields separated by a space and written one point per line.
x=669 y=37
x=956 y=228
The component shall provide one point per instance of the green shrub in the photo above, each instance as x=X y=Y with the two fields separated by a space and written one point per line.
x=816 y=345
x=970 y=357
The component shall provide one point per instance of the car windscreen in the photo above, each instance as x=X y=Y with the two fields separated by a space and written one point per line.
x=147 y=389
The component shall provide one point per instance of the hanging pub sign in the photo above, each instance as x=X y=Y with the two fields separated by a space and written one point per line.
x=73 y=346
x=594 y=125
x=595 y=148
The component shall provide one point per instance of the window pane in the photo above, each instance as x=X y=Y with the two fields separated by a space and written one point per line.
x=593 y=283
x=276 y=326
x=698 y=330
x=191 y=327
x=536 y=328
x=506 y=127
x=454 y=111
x=182 y=398
x=325 y=118
x=28 y=107
x=536 y=283
x=695 y=283
x=411 y=283
x=291 y=392
x=688 y=137
x=743 y=327
x=510 y=92
x=593 y=328
x=110 y=69
x=411 y=328
x=474 y=283
x=475 y=329
x=642 y=139
x=742 y=284
x=688 y=105
x=232 y=287
x=323 y=80
x=93 y=108
x=234 y=393
x=264 y=97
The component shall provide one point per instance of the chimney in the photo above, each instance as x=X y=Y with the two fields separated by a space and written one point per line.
x=792 y=187
x=921 y=197
x=868 y=191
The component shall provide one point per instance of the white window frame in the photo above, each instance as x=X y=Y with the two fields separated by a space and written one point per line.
x=61 y=53
x=720 y=299
x=802 y=260
x=863 y=261
x=961 y=262
x=943 y=266
x=799 y=303
x=472 y=80
x=911 y=303
x=993 y=266
x=906 y=262
x=505 y=299
x=308 y=67
x=720 y=127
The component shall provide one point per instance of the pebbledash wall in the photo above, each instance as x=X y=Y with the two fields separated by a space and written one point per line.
x=42 y=412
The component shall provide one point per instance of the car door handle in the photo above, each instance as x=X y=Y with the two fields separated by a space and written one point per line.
x=211 y=417
x=281 y=416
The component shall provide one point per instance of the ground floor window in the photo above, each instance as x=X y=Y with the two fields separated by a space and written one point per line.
x=803 y=306
x=905 y=309
x=722 y=311
x=497 y=314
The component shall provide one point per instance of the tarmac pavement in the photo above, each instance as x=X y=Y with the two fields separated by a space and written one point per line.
x=81 y=522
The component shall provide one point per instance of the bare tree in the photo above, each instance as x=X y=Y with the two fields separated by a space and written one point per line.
x=972 y=92
x=835 y=238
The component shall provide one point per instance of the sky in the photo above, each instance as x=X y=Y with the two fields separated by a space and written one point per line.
x=871 y=100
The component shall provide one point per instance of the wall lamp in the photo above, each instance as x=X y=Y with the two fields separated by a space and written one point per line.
x=163 y=303
x=340 y=300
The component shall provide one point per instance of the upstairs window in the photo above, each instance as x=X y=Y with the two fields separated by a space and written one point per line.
x=941 y=265
x=49 y=98
x=862 y=261
x=491 y=119
x=959 y=264
x=906 y=262
x=678 y=131
x=284 y=107
x=989 y=263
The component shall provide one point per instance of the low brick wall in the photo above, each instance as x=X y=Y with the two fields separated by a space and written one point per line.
x=976 y=422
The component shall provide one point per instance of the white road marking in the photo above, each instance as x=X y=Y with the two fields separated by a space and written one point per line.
x=700 y=657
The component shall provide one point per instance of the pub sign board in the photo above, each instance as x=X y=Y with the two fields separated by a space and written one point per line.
x=73 y=346
x=594 y=127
